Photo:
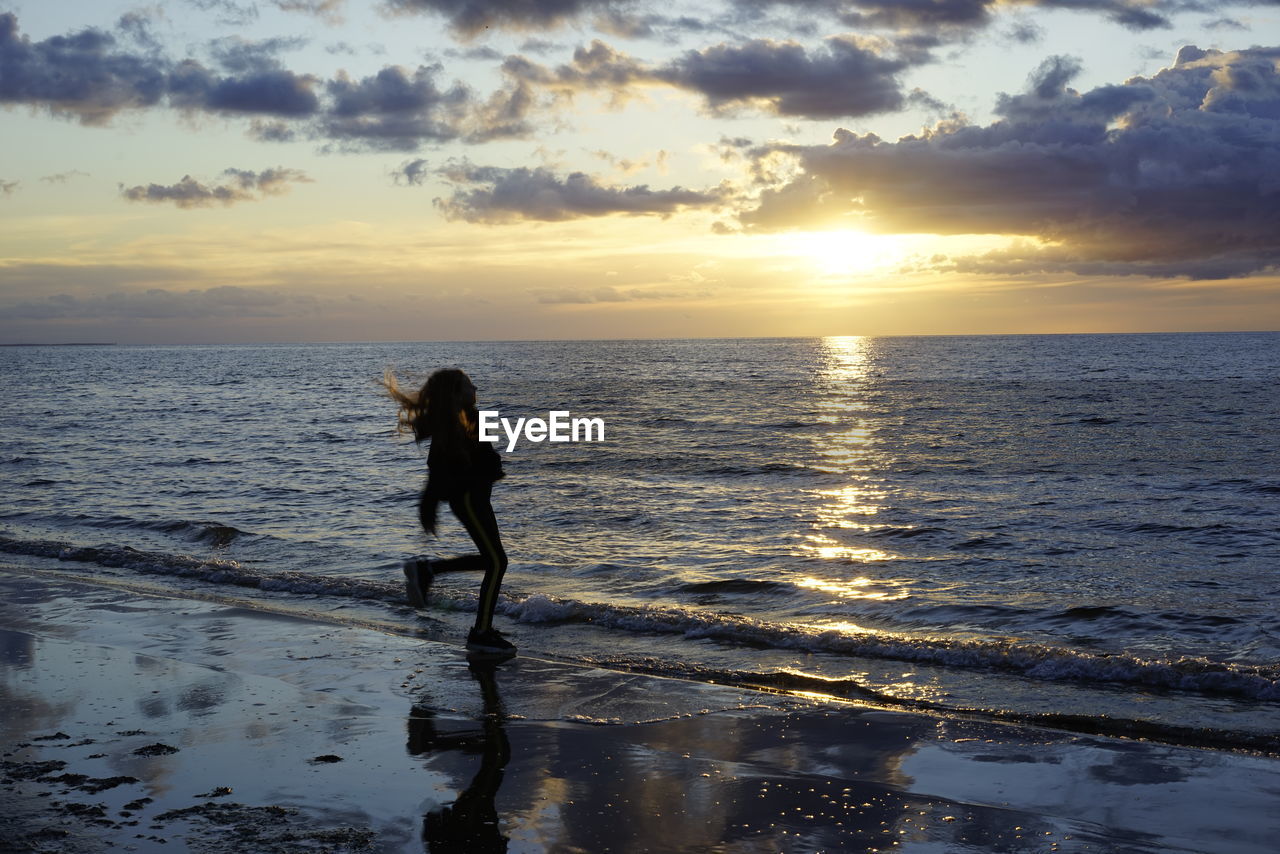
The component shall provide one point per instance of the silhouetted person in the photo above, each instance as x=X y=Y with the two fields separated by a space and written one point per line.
x=461 y=470
x=470 y=823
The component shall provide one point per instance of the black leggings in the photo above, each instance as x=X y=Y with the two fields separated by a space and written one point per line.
x=476 y=514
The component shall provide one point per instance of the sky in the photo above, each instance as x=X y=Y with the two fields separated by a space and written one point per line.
x=210 y=171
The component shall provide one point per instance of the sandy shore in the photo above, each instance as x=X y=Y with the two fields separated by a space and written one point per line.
x=136 y=722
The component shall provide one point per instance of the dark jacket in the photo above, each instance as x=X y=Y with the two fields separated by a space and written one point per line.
x=449 y=477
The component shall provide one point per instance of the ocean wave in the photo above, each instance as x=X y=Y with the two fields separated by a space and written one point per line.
x=733 y=585
x=735 y=470
x=1025 y=659
x=212 y=570
x=215 y=534
x=905 y=532
x=1030 y=660
x=794 y=681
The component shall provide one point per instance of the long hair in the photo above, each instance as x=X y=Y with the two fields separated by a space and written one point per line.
x=437 y=411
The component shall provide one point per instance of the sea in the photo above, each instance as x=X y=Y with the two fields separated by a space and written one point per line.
x=1072 y=531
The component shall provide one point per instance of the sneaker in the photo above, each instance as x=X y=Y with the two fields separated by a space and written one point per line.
x=490 y=642
x=417 y=580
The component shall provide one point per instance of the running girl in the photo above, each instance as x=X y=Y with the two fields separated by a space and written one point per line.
x=460 y=470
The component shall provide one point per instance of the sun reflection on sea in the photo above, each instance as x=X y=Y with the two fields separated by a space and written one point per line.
x=849 y=449
x=857 y=588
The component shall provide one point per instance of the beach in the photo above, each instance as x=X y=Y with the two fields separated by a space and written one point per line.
x=141 y=722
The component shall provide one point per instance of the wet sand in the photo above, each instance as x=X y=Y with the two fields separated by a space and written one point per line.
x=137 y=722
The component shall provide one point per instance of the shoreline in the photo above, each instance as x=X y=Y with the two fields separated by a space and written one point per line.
x=203 y=722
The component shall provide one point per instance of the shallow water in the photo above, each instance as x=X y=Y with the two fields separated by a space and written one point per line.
x=1081 y=529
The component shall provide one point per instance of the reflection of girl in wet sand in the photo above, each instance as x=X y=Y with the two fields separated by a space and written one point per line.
x=470 y=824
x=461 y=470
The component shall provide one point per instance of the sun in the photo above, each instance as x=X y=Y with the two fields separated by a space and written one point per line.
x=845 y=252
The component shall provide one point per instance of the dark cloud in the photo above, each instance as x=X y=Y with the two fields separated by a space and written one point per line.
x=89 y=76
x=491 y=194
x=1030 y=260
x=1025 y=32
x=244 y=186
x=80 y=75
x=845 y=77
x=240 y=56
x=7 y=187
x=394 y=109
x=471 y=17
x=669 y=29
x=922 y=100
x=1176 y=172
x=411 y=173
x=161 y=304
x=622 y=18
x=1139 y=18
x=272 y=91
x=626 y=25
x=934 y=15
x=1224 y=24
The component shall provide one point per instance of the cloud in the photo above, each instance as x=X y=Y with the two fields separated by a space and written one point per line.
x=481 y=53
x=536 y=45
x=412 y=173
x=394 y=109
x=229 y=12
x=491 y=194
x=1224 y=23
x=612 y=294
x=845 y=77
x=329 y=10
x=236 y=14
x=64 y=177
x=158 y=303
x=244 y=186
x=271 y=91
x=7 y=187
x=238 y=55
x=136 y=25
x=1176 y=172
x=76 y=75
x=1028 y=259
x=934 y=15
x=1023 y=31
x=85 y=75
x=471 y=17
x=88 y=76
x=629 y=167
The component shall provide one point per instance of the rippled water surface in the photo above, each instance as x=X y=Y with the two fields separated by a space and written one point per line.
x=1071 y=528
